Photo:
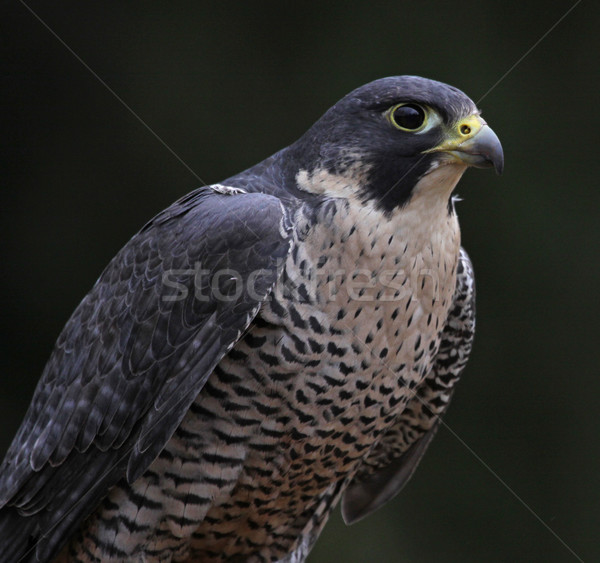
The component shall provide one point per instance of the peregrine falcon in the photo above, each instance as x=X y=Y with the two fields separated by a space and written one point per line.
x=261 y=350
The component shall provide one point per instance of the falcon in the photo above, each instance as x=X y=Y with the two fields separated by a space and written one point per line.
x=261 y=350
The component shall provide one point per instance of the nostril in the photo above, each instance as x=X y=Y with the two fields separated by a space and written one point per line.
x=465 y=129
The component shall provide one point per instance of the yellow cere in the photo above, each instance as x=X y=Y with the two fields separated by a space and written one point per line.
x=459 y=132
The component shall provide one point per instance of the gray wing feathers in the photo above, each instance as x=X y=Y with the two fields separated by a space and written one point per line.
x=396 y=457
x=139 y=348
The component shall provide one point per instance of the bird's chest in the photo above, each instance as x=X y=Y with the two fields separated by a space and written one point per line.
x=350 y=331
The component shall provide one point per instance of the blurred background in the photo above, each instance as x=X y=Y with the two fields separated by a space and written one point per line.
x=224 y=85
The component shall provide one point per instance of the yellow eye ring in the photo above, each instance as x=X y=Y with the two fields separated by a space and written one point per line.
x=408 y=117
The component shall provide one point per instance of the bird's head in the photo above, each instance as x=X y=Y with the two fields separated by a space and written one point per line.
x=383 y=139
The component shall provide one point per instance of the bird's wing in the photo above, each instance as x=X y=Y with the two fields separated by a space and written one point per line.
x=396 y=457
x=137 y=351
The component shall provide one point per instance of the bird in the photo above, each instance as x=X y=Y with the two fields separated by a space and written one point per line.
x=262 y=350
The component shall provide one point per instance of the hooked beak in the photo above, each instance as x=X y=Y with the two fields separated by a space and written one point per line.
x=474 y=143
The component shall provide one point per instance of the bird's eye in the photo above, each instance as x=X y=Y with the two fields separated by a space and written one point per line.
x=408 y=117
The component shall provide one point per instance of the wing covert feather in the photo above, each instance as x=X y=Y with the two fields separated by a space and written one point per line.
x=138 y=350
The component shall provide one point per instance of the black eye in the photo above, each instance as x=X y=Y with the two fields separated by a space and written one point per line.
x=408 y=117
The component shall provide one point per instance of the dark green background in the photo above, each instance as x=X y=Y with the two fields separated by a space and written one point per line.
x=227 y=84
